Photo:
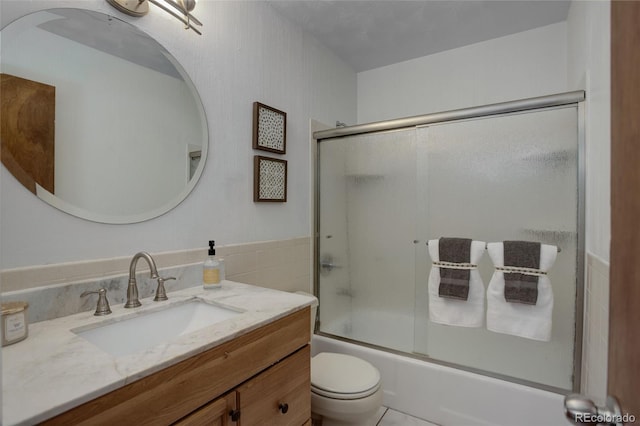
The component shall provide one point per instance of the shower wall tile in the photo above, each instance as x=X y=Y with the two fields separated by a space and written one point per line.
x=596 y=330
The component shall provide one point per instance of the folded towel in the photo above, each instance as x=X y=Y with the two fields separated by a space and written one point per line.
x=463 y=313
x=519 y=319
x=454 y=283
x=521 y=288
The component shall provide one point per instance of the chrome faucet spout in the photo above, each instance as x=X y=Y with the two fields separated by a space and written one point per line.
x=132 y=288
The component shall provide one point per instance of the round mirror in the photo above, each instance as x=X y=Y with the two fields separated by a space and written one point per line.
x=97 y=118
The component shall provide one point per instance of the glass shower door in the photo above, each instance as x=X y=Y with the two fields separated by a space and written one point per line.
x=509 y=177
x=367 y=219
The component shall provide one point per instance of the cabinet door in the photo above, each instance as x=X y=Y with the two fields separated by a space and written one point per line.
x=215 y=413
x=281 y=396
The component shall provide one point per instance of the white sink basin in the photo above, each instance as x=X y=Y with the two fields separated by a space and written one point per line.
x=140 y=332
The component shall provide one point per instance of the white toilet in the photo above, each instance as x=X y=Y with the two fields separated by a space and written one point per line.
x=345 y=390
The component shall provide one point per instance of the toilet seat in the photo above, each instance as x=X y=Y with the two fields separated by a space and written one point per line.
x=340 y=376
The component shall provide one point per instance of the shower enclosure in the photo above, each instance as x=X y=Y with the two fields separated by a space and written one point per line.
x=509 y=171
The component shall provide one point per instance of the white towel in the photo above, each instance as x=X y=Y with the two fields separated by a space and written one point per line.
x=529 y=321
x=463 y=313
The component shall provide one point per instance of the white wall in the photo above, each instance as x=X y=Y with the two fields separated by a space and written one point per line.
x=589 y=51
x=526 y=64
x=247 y=53
x=589 y=68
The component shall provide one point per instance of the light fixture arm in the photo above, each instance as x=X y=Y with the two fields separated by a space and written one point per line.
x=186 y=23
x=140 y=8
x=183 y=10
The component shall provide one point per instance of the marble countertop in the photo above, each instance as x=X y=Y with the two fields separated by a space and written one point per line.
x=54 y=369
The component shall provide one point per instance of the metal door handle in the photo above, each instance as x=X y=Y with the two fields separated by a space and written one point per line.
x=581 y=410
x=329 y=265
x=326 y=263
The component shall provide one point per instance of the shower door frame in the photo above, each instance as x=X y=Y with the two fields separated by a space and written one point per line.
x=576 y=98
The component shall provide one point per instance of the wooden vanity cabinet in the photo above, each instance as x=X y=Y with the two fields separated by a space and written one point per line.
x=264 y=375
x=281 y=396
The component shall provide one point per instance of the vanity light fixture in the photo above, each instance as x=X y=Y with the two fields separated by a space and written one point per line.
x=140 y=8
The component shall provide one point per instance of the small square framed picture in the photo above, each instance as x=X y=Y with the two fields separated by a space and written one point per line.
x=269 y=129
x=269 y=179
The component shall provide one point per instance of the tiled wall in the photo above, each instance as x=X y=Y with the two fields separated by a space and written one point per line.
x=596 y=330
x=53 y=290
x=279 y=264
x=282 y=265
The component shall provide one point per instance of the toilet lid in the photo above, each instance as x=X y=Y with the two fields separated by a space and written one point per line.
x=343 y=376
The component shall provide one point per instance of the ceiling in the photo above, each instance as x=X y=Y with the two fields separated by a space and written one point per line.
x=369 y=34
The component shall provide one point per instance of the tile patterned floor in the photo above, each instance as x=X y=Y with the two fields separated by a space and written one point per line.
x=389 y=417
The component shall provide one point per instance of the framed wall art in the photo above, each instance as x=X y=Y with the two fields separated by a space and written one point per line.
x=269 y=129
x=269 y=179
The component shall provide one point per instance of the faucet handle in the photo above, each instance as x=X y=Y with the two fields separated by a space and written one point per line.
x=102 y=308
x=161 y=293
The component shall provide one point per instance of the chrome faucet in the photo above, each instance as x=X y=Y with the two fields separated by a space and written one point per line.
x=132 y=289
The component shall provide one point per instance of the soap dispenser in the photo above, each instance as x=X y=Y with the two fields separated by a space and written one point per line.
x=211 y=269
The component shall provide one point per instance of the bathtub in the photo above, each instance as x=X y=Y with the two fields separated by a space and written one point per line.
x=452 y=397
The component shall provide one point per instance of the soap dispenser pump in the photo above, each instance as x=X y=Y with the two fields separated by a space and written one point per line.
x=211 y=269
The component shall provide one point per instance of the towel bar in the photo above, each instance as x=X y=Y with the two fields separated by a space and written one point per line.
x=486 y=245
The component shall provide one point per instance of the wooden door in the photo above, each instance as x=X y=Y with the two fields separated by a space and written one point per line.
x=27 y=116
x=624 y=310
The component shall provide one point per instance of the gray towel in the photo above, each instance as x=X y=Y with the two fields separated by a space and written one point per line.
x=454 y=283
x=521 y=288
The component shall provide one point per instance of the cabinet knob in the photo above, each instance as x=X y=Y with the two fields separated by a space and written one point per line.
x=284 y=408
x=235 y=415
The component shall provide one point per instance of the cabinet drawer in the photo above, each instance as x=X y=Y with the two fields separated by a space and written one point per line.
x=281 y=396
x=215 y=413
